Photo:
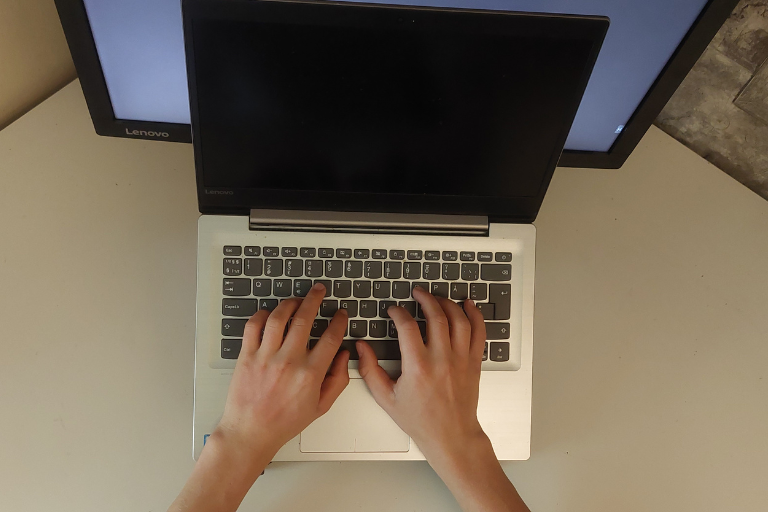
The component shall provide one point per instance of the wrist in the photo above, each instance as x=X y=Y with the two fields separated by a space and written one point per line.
x=457 y=452
x=246 y=455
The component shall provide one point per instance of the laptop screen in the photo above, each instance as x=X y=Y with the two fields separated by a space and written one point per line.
x=432 y=104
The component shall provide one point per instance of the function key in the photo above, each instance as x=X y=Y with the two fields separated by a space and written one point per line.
x=343 y=253
x=252 y=250
x=271 y=252
x=362 y=254
x=232 y=250
x=326 y=253
x=397 y=254
x=503 y=256
x=467 y=256
x=485 y=256
x=290 y=252
x=432 y=255
x=450 y=255
x=308 y=252
x=379 y=254
x=414 y=255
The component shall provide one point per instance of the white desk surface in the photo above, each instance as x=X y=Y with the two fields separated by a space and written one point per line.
x=650 y=387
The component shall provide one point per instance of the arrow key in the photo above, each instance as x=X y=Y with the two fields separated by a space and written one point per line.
x=499 y=351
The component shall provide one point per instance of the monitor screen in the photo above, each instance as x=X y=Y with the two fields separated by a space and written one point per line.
x=440 y=104
x=141 y=49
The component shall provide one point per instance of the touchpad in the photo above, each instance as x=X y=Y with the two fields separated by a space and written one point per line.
x=355 y=423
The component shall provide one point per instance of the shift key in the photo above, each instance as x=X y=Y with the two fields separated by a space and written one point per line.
x=500 y=296
x=496 y=331
x=239 y=307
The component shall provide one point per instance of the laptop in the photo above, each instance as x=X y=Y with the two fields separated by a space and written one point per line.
x=374 y=148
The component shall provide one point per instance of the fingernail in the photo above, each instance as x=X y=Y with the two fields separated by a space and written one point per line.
x=417 y=287
x=318 y=286
x=471 y=302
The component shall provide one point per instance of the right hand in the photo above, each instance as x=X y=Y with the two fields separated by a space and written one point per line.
x=435 y=399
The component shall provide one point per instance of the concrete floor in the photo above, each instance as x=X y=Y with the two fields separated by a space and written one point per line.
x=721 y=109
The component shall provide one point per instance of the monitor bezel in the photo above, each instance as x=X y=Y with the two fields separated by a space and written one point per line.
x=77 y=29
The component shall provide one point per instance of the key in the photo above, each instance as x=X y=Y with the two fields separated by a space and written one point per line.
x=431 y=271
x=236 y=287
x=470 y=271
x=301 y=287
x=252 y=250
x=262 y=287
x=234 y=327
x=318 y=327
x=372 y=269
x=254 y=266
x=238 y=307
x=313 y=268
x=294 y=268
x=326 y=253
x=233 y=266
x=369 y=308
x=271 y=252
x=401 y=289
x=485 y=256
x=414 y=255
x=412 y=271
x=494 y=272
x=422 y=329
x=499 y=295
x=486 y=309
x=396 y=254
x=273 y=268
x=342 y=289
x=350 y=306
x=362 y=254
x=499 y=351
x=440 y=290
x=230 y=349
x=496 y=331
x=381 y=289
x=450 y=255
x=361 y=289
x=307 y=252
x=450 y=271
x=328 y=308
x=268 y=304
x=377 y=328
x=393 y=269
x=385 y=350
x=328 y=286
x=478 y=291
x=290 y=252
x=282 y=288
x=353 y=269
x=379 y=254
x=409 y=306
x=503 y=256
x=421 y=284
x=467 y=256
x=432 y=255
x=232 y=250
x=384 y=305
x=485 y=352
x=334 y=268
x=358 y=328
x=459 y=291
x=344 y=253
x=392 y=329
x=420 y=312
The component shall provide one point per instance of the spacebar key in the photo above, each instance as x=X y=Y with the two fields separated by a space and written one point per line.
x=384 y=349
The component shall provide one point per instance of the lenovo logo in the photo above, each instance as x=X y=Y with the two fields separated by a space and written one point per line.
x=144 y=133
x=220 y=192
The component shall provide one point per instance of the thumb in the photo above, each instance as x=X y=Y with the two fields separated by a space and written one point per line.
x=375 y=377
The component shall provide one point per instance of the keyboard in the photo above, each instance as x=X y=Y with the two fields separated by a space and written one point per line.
x=365 y=283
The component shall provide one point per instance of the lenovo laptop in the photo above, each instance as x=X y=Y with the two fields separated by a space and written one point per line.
x=373 y=148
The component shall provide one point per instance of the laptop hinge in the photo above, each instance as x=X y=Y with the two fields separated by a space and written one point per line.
x=368 y=222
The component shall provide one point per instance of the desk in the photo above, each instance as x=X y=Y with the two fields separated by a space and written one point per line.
x=650 y=387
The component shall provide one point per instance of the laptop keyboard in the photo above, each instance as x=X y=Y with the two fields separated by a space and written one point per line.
x=364 y=282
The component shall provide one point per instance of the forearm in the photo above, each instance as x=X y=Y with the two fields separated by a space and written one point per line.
x=221 y=478
x=475 y=478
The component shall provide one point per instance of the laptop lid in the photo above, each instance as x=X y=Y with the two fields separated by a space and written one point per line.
x=358 y=107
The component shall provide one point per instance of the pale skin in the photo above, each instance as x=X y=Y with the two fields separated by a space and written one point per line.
x=280 y=386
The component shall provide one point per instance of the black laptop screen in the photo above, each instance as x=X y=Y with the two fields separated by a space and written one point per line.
x=393 y=109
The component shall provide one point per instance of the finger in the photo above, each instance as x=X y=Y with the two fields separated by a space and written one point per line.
x=252 y=332
x=298 y=334
x=377 y=380
x=325 y=350
x=458 y=324
x=274 y=330
x=408 y=333
x=477 y=324
x=438 y=333
x=334 y=383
